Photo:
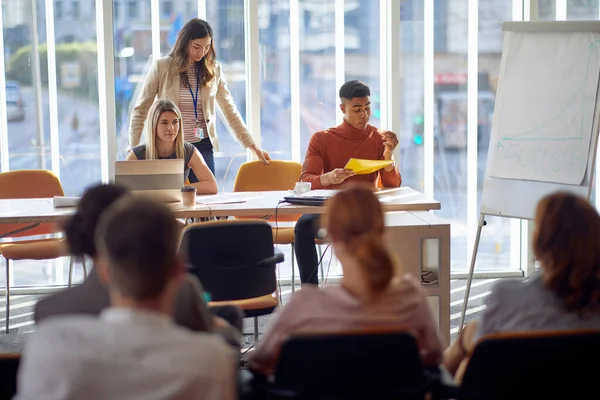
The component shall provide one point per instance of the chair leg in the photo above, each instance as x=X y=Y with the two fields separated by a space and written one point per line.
x=293 y=269
x=321 y=264
x=84 y=268
x=7 y=299
x=255 y=330
x=70 y=271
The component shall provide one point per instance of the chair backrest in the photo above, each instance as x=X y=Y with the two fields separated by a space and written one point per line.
x=542 y=364
x=255 y=176
x=9 y=365
x=226 y=257
x=29 y=184
x=351 y=365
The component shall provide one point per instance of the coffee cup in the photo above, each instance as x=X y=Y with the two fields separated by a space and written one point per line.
x=188 y=196
x=302 y=187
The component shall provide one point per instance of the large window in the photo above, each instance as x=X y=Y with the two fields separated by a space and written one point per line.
x=306 y=49
x=411 y=93
x=275 y=80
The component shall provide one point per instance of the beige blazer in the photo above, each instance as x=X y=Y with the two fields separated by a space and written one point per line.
x=161 y=82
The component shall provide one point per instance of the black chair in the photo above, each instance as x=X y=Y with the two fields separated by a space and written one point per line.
x=352 y=365
x=9 y=365
x=235 y=262
x=531 y=365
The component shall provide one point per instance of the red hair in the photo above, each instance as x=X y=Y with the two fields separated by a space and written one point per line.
x=355 y=217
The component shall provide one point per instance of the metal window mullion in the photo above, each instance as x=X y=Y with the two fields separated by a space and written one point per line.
x=252 y=57
x=106 y=89
x=52 y=89
x=155 y=24
x=561 y=10
x=515 y=224
x=202 y=9
x=428 y=97
x=295 y=79
x=340 y=53
x=530 y=13
x=472 y=117
x=390 y=65
x=4 y=164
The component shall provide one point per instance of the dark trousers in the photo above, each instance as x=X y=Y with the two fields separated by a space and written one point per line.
x=306 y=231
x=205 y=148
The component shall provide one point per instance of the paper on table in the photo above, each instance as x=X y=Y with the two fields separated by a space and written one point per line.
x=364 y=167
x=63 y=201
x=218 y=199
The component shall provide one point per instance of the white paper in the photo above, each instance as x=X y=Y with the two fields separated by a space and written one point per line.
x=218 y=199
x=545 y=107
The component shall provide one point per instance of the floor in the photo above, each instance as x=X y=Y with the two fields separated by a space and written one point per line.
x=22 y=325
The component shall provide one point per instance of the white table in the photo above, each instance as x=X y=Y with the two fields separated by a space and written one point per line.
x=411 y=231
x=17 y=211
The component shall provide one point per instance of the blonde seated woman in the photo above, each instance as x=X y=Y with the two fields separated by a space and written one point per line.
x=563 y=295
x=165 y=141
x=371 y=294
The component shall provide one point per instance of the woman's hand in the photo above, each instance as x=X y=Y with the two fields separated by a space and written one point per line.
x=261 y=154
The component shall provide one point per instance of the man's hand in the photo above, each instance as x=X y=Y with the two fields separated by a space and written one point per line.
x=336 y=176
x=390 y=141
x=261 y=154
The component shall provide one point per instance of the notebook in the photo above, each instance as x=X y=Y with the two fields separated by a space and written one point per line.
x=159 y=180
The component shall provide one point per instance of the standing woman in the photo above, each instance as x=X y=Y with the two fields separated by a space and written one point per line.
x=192 y=78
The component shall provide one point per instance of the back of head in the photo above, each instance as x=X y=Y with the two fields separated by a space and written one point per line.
x=138 y=238
x=81 y=227
x=354 y=217
x=352 y=89
x=566 y=242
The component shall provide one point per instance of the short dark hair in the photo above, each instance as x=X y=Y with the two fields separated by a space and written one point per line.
x=138 y=239
x=81 y=226
x=352 y=89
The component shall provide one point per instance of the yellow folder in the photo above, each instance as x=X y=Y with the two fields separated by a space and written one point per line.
x=364 y=167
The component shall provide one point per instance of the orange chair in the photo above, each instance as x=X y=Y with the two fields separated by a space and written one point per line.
x=254 y=176
x=27 y=184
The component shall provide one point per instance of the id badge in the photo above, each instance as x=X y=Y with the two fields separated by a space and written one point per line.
x=199 y=133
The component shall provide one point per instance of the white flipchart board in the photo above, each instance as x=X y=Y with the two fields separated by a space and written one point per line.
x=545 y=125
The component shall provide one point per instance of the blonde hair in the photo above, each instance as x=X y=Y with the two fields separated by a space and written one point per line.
x=159 y=107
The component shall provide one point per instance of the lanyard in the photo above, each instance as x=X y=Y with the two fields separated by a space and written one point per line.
x=195 y=99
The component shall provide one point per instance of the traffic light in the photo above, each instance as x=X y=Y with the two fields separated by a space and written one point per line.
x=418 y=123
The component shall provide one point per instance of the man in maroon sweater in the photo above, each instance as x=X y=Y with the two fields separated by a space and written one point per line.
x=327 y=154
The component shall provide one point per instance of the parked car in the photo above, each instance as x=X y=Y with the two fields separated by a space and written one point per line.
x=15 y=109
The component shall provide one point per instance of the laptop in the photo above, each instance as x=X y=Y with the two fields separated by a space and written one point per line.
x=159 y=180
x=306 y=200
x=311 y=198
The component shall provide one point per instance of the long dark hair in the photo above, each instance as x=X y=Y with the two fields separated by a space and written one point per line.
x=194 y=29
x=81 y=227
x=566 y=242
x=355 y=217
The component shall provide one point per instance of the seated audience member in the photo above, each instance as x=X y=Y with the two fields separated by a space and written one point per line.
x=132 y=350
x=371 y=295
x=91 y=297
x=327 y=154
x=563 y=295
x=165 y=141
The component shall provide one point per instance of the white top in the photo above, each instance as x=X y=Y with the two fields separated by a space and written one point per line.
x=124 y=354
